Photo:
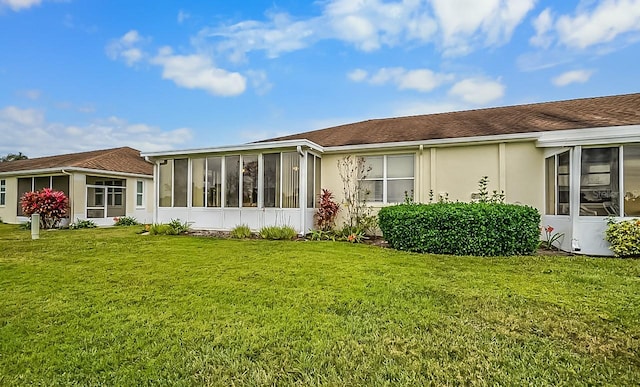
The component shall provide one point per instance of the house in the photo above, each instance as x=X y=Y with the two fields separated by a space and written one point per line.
x=100 y=184
x=576 y=161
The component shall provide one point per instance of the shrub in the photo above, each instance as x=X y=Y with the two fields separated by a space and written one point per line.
x=126 y=221
x=162 y=229
x=78 y=224
x=327 y=211
x=480 y=229
x=241 y=232
x=278 y=232
x=51 y=205
x=624 y=237
x=175 y=227
x=179 y=226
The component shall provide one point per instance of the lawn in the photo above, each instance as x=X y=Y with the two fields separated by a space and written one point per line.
x=109 y=306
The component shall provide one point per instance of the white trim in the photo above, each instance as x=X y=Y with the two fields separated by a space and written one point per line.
x=590 y=136
x=64 y=170
x=237 y=148
x=476 y=140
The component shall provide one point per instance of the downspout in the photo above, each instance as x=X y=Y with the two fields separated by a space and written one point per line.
x=303 y=198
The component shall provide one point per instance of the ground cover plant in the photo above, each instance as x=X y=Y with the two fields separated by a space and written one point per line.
x=112 y=307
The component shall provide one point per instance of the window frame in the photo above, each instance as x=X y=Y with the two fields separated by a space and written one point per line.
x=385 y=179
x=556 y=182
x=3 y=192
x=140 y=194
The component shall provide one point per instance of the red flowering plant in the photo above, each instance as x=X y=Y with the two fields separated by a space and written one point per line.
x=551 y=237
x=51 y=205
x=327 y=211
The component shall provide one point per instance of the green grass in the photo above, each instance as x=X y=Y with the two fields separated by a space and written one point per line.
x=108 y=306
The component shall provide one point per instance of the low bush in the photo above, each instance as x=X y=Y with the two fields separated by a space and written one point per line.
x=624 y=237
x=241 y=232
x=175 y=227
x=278 y=233
x=480 y=229
x=78 y=224
x=126 y=221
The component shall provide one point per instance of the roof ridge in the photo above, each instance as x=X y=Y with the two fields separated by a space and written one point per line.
x=100 y=154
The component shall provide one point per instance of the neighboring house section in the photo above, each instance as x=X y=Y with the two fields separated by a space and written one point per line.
x=577 y=161
x=100 y=184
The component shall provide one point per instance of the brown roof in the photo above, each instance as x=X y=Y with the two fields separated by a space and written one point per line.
x=123 y=159
x=538 y=117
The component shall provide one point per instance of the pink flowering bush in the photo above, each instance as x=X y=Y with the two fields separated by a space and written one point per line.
x=51 y=205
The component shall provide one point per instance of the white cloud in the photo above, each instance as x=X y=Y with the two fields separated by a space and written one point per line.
x=569 y=77
x=358 y=75
x=125 y=48
x=26 y=130
x=464 y=22
x=592 y=24
x=542 y=24
x=182 y=16
x=454 y=25
x=19 y=5
x=197 y=71
x=608 y=20
x=259 y=81
x=423 y=80
x=477 y=91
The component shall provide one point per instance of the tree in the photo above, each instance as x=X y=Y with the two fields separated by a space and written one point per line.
x=13 y=157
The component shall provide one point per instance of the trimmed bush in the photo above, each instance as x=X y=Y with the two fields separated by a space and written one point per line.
x=624 y=237
x=480 y=229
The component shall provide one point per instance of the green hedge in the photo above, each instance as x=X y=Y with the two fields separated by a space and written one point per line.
x=479 y=229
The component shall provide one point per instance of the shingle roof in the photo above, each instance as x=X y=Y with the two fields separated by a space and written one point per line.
x=538 y=117
x=125 y=159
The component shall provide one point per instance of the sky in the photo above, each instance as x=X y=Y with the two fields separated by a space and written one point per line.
x=161 y=75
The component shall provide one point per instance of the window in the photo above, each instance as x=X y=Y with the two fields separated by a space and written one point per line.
x=165 y=182
x=198 y=182
x=139 y=193
x=180 y=179
x=631 y=165
x=599 y=182
x=3 y=192
x=388 y=179
x=232 y=180
x=313 y=180
x=105 y=197
x=214 y=182
x=250 y=181
x=290 y=180
x=271 y=173
x=557 y=178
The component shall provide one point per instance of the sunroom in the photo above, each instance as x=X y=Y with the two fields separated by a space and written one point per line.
x=257 y=185
x=588 y=181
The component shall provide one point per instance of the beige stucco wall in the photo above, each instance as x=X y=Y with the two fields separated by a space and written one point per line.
x=515 y=168
x=8 y=211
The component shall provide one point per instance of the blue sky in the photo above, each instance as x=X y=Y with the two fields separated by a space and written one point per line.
x=81 y=75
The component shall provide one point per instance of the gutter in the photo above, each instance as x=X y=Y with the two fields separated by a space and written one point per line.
x=72 y=169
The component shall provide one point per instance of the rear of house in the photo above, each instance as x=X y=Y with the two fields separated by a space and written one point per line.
x=100 y=185
x=577 y=162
